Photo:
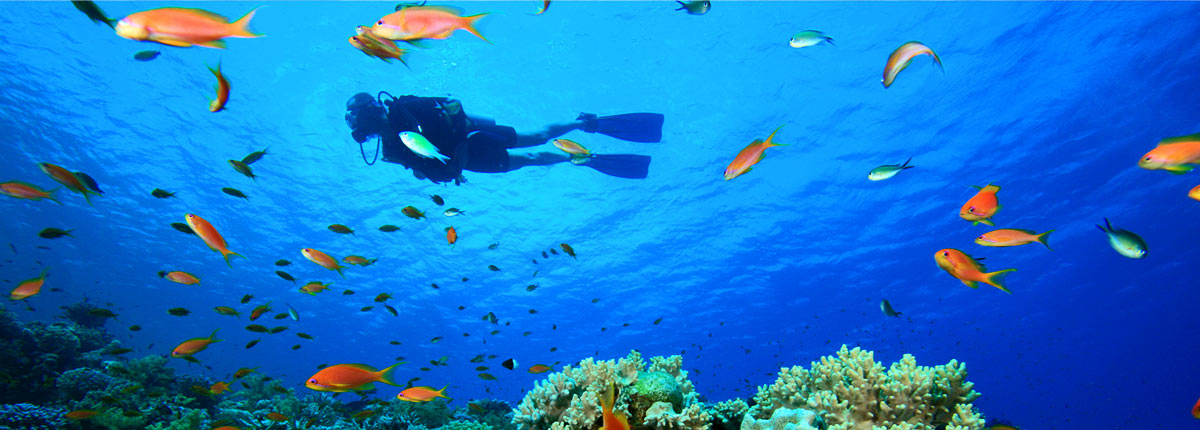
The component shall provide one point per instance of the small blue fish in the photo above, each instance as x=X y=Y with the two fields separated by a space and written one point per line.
x=292 y=313
x=808 y=38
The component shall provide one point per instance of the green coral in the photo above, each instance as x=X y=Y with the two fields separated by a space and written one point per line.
x=465 y=425
x=115 y=419
x=190 y=420
x=654 y=387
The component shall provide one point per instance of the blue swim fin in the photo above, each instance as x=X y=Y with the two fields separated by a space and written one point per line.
x=632 y=127
x=629 y=166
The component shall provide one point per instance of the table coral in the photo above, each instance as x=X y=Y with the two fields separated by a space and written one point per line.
x=853 y=392
x=570 y=399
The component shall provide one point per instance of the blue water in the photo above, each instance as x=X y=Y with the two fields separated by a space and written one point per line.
x=1055 y=102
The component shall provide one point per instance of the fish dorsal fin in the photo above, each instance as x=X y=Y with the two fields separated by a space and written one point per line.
x=1179 y=139
x=207 y=14
x=361 y=366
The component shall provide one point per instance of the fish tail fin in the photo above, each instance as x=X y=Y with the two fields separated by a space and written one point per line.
x=1042 y=238
x=996 y=279
x=937 y=60
x=769 y=143
x=442 y=393
x=86 y=198
x=386 y=375
x=682 y=5
x=830 y=40
x=242 y=25
x=338 y=269
x=905 y=165
x=469 y=25
x=50 y=195
x=228 y=253
x=213 y=337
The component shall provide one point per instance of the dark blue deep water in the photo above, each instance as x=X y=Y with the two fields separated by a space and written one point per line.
x=1054 y=102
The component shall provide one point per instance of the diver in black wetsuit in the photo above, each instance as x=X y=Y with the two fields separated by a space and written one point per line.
x=480 y=145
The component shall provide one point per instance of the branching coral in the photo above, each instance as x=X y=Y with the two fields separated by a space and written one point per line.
x=852 y=391
x=785 y=419
x=728 y=415
x=570 y=399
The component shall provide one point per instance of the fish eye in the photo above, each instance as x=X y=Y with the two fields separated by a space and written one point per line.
x=379 y=23
x=971 y=209
x=312 y=381
x=980 y=237
x=945 y=253
x=1148 y=158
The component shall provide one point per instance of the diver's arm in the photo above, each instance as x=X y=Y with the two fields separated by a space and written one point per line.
x=538 y=137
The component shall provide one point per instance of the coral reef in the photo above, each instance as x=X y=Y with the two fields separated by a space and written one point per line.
x=853 y=392
x=34 y=354
x=728 y=415
x=24 y=416
x=786 y=419
x=570 y=399
x=84 y=314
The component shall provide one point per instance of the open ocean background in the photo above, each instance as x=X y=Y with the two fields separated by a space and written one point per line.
x=1053 y=101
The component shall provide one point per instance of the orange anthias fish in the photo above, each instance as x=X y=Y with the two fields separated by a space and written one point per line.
x=902 y=57
x=277 y=417
x=81 y=414
x=219 y=387
x=451 y=235
x=349 y=377
x=30 y=287
x=222 y=91
x=572 y=147
x=259 y=311
x=323 y=260
x=241 y=373
x=184 y=278
x=982 y=207
x=1196 y=410
x=1013 y=237
x=539 y=368
x=210 y=236
x=184 y=27
x=421 y=394
x=22 y=190
x=68 y=179
x=372 y=45
x=612 y=421
x=358 y=260
x=192 y=346
x=750 y=156
x=968 y=270
x=1177 y=155
x=425 y=22
x=1195 y=193
x=312 y=288
x=545 y=7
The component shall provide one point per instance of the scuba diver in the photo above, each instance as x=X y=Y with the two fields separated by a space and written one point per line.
x=438 y=141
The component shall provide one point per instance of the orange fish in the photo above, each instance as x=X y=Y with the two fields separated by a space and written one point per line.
x=451 y=235
x=539 y=368
x=545 y=6
x=68 y=179
x=1196 y=410
x=1013 y=237
x=363 y=414
x=1195 y=193
x=259 y=311
x=192 y=346
x=979 y=209
x=571 y=147
x=277 y=417
x=323 y=260
x=184 y=27
x=358 y=260
x=612 y=421
x=241 y=373
x=23 y=190
x=184 y=278
x=81 y=414
x=750 y=156
x=372 y=45
x=425 y=22
x=968 y=270
x=421 y=394
x=210 y=236
x=312 y=288
x=30 y=287
x=349 y=377
x=222 y=91
x=1177 y=155
x=902 y=57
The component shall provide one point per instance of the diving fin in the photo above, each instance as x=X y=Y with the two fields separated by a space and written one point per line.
x=632 y=127
x=629 y=166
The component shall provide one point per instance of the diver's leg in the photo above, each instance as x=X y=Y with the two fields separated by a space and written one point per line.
x=538 y=137
x=522 y=159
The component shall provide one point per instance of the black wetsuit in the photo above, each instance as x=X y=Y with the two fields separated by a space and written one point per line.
x=472 y=144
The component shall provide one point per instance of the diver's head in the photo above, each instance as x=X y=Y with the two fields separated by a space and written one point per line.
x=365 y=116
